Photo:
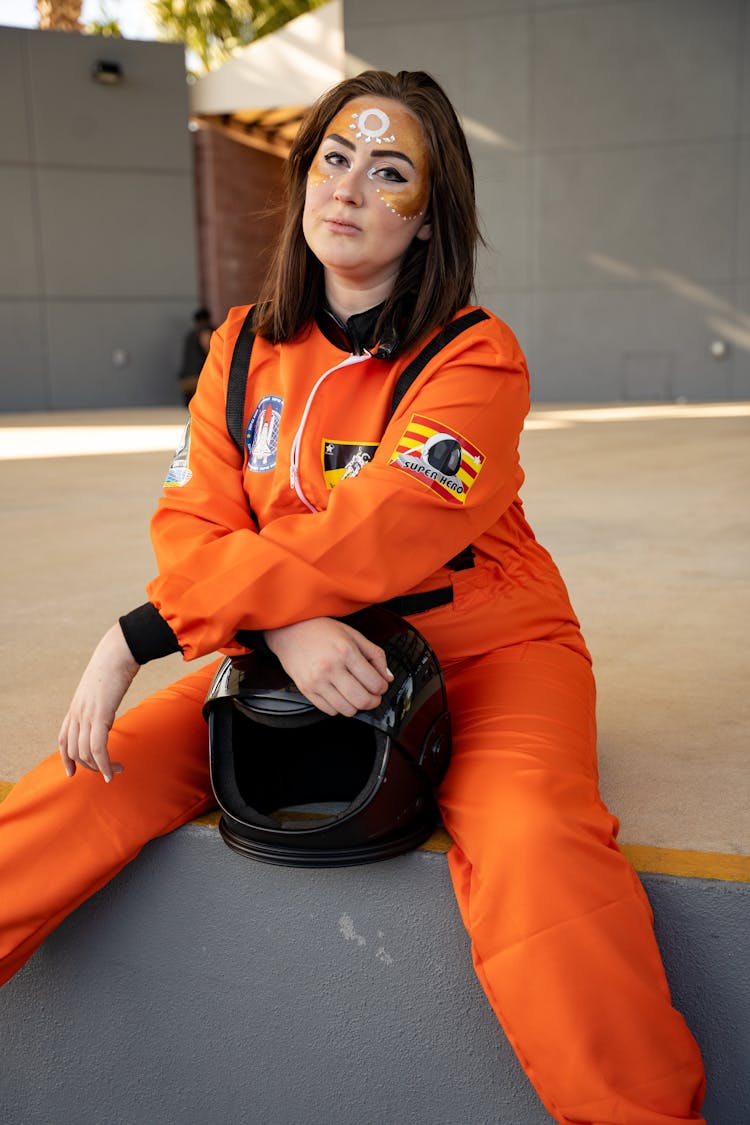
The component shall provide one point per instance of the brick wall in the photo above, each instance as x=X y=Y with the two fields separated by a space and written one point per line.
x=236 y=188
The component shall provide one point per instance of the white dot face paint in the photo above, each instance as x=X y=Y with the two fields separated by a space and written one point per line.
x=388 y=142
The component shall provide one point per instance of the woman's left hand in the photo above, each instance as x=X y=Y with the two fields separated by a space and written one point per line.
x=337 y=668
x=85 y=729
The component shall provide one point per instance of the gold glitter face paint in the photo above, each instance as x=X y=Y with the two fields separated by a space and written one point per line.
x=393 y=143
x=318 y=173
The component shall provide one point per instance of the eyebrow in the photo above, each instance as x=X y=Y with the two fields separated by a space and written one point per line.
x=391 y=153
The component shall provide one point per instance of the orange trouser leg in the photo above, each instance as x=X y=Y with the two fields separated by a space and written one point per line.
x=61 y=838
x=561 y=930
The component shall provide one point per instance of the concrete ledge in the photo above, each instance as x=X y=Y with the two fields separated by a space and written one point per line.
x=202 y=986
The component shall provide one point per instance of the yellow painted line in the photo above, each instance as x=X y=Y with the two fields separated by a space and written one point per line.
x=652 y=860
x=439 y=841
x=210 y=818
x=691 y=865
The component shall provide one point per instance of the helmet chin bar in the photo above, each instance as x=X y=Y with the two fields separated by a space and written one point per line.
x=286 y=855
x=300 y=788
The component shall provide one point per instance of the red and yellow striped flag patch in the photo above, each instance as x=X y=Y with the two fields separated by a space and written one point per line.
x=439 y=457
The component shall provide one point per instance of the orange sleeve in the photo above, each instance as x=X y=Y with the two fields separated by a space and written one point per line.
x=383 y=532
x=211 y=503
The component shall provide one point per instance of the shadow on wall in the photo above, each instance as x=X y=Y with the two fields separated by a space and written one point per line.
x=723 y=317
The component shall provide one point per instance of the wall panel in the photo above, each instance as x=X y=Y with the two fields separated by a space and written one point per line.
x=115 y=353
x=25 y=378
x=616 y=216
x=19 y=267
x=14 y=121
x=651 y=344
x=633 y=73
x=140 y=123
x=505 y=214
x=119 y=233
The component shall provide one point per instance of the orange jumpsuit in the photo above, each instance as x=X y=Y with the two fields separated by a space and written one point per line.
x=336 y=504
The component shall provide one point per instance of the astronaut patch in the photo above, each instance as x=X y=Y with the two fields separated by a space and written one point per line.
x=262 y=434
x=343 y=460
x=439 y=457
x=179 y=472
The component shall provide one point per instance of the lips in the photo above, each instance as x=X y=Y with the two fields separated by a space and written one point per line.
x=341 y=226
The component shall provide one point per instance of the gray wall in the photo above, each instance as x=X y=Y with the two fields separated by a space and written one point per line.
x=612 y=143
x=612 y=146
x=96 y=222
x=200 y=986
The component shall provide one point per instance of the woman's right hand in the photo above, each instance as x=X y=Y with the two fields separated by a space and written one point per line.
x=102 y=687
x=336 y=667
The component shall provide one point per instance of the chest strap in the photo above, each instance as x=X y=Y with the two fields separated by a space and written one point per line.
x=409 y=604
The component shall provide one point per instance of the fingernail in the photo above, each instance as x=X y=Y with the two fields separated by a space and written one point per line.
x=107 y=779
x=390 y=673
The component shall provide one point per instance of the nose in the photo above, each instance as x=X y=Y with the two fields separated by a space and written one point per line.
x=349 y=188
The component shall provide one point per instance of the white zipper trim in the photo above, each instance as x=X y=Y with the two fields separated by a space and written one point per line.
x=294 y=457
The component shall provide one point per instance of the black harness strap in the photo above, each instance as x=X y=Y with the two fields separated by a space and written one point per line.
x=420 y=361
x=237 y=385
x=409 y=604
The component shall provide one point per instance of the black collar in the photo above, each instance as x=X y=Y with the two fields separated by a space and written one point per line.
x=357 y=334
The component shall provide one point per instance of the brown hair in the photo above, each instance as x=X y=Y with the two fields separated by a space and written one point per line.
x=436 y=277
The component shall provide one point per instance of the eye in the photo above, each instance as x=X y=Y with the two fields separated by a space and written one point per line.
x=336 y=159
x=389 y=173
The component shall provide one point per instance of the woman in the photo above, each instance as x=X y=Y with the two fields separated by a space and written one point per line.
x=337 y=504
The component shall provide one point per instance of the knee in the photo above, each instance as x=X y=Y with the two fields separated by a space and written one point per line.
x=534 y=822
x=539 y=856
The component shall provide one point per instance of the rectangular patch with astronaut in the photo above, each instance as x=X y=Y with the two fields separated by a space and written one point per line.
x=343 y=460
x=442 y=459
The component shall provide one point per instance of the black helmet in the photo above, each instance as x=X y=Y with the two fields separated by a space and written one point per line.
x=302 y=788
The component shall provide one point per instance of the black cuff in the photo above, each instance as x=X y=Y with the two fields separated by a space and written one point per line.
x=147 y=634
x=252 y=638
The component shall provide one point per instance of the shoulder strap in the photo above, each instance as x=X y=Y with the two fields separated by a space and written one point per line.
x=420 y=361
x=237 y=385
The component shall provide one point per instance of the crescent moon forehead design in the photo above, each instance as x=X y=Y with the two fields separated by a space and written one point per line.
x=372 y=125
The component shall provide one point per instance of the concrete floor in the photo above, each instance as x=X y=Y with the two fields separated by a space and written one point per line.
x=644 y=509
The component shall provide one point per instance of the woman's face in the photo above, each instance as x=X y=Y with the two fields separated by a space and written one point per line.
x=367 y=193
